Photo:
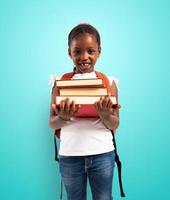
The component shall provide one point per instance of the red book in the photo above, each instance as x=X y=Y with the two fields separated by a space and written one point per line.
x=87 y=110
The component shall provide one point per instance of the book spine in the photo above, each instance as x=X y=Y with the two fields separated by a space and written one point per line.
x=83 y=99
x=83 y=92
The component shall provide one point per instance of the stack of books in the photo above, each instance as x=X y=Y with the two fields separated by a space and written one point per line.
x=84 y=92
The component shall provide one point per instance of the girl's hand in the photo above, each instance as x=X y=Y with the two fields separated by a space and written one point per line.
x=104 y=106
x=66 y=110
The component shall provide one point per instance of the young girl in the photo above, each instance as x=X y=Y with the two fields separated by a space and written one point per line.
x=86 y=147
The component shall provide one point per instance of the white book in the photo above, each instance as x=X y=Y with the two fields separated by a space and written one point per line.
x=83 y=99
x=83 y=91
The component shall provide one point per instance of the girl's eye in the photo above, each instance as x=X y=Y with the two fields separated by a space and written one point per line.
x=91 y=51
x=77 y=52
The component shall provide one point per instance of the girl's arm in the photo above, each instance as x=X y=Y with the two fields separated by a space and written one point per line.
x=54 y=120
x=109 y=115
x=60 y=116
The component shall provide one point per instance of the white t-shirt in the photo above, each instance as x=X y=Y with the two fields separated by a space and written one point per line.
x=85 y=136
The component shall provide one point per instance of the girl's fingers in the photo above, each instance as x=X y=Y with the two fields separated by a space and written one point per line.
x=104 y=104
x=99 y=103
x=96 y=104
x=109 y=105
x=72 y=108
x=72 y=105
x=105 y=101
x=62 y=106
x=67 y=105
x=54 y=108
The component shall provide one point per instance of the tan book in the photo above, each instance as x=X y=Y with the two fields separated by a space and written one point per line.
x=83 y=91
x=83 y=99
x=96 y=82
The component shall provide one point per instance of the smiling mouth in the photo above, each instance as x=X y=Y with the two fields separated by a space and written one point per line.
x=85 y=65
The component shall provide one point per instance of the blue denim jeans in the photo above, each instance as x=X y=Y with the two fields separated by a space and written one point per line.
x=97 y=168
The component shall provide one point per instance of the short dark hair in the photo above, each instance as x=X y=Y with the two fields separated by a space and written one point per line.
x=83 y=28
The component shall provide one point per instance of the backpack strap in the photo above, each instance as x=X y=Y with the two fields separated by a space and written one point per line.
x=56 y=149
x=105 y=81
x=119 y=165
x=67 y=76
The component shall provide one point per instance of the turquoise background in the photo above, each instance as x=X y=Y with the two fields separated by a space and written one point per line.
x=135 y=49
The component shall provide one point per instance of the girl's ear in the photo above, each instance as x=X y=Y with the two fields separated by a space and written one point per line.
x=99 y=51
x=69 y=52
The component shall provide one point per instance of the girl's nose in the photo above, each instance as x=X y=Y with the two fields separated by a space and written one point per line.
x=84 y=56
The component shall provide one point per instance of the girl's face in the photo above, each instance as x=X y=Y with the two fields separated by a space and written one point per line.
x=84 y=51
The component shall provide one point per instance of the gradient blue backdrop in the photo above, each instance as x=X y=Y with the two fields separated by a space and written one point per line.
x=135 y=49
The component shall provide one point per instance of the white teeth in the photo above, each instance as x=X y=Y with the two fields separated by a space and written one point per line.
x=85 y=64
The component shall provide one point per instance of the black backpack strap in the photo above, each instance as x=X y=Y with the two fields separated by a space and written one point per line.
x=57 y=159
x=56 y=149
x=119 y=166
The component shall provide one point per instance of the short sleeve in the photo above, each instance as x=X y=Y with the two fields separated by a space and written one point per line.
x=52 y=80
x=113 y=78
